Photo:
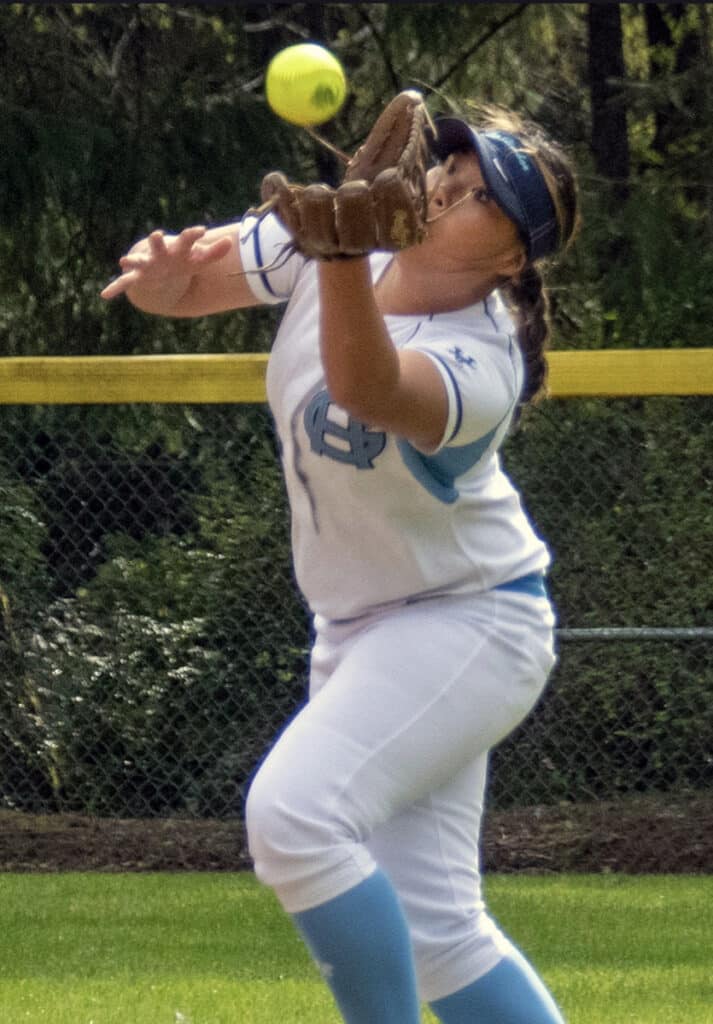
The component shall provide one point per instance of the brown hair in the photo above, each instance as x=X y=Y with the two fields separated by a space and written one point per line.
x=525 y=292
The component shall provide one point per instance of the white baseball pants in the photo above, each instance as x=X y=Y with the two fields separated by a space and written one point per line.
x=386 y=765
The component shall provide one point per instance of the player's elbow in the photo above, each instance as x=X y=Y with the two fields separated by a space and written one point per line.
x=362 y=386
x=363 y=399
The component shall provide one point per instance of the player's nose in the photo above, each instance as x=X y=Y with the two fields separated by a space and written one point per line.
x=437 y=193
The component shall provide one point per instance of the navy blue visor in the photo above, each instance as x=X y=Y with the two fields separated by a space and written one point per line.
x=513 y=178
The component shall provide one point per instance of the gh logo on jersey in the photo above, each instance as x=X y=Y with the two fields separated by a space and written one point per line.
x=356 y=444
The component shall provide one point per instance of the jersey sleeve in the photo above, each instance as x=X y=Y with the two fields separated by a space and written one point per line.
x=271 y=269
x=483 y=380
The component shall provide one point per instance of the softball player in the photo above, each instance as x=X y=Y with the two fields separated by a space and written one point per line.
x=393 y=381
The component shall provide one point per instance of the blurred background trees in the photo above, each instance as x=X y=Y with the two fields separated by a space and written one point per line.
x=144 y=558
x=117 y=118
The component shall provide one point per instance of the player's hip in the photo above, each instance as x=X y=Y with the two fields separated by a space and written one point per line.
x=514 y=624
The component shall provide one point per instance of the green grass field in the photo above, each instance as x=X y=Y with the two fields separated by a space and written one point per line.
x=216 y=949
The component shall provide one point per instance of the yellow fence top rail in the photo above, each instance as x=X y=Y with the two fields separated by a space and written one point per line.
x=102 y=380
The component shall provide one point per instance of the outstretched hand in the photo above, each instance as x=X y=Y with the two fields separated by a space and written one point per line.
x=162 y=258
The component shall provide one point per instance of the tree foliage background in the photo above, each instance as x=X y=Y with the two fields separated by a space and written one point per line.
x=144 y=567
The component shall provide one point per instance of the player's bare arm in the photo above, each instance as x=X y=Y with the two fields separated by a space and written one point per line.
x=195 y=273
x=398 y=391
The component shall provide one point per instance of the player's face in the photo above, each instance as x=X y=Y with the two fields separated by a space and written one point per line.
x=465 y=222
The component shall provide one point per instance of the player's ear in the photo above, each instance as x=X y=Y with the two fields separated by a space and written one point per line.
x=512 y=262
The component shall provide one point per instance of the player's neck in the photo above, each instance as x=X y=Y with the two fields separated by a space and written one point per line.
x=410 y=288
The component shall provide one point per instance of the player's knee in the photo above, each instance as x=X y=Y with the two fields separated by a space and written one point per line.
x=266 y=820
x=279 y=828
x=298 y=848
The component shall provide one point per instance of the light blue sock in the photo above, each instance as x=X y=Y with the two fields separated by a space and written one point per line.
x=361 y=944
x=511 y=993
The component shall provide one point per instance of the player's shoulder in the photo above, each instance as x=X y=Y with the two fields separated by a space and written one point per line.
x=484 y=330
x=476 y=351
x=488 y=320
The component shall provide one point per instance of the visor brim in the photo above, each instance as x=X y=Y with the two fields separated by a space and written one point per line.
x=512 y=176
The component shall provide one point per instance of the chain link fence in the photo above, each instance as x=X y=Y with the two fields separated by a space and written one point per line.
x=152 y=642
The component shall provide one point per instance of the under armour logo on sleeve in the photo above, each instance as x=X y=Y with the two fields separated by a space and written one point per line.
x=461 y=358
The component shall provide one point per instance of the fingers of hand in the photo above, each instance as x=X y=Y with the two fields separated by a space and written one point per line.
x=157 y=244
x=211 y=252
x=159 y=252
x=187 y=239
x=135 y=261
x=163 y=254
x=119 y=286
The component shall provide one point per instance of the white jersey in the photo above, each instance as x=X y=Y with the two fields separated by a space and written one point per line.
x=374 y=520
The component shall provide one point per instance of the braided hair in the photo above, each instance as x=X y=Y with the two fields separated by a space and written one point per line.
x=526 y=296
x=525 y=293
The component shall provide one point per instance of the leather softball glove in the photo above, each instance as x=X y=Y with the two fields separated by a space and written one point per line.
x=382 y=201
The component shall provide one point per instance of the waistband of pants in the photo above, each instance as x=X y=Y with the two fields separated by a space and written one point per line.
x=533 y=584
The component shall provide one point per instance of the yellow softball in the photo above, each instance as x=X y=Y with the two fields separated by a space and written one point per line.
x=305 y=84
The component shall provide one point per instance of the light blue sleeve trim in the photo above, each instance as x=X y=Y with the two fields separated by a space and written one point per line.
x=438 y=473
